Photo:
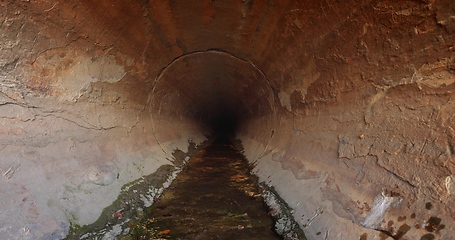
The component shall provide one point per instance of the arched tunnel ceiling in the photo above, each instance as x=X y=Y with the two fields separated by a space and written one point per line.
x=202 y=86
x=346 y=108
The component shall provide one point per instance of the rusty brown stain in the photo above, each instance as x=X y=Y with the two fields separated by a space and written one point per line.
x=402 y=231
x=401 y=218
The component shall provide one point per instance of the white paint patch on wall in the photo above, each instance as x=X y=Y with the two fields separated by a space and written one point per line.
x=72 y=82
x=450 y=185
x=106 y=69
x=285 y=100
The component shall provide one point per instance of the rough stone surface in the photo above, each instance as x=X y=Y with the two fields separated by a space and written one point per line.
x=346 y=108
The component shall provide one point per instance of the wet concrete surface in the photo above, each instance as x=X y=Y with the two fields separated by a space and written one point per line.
x=215 y=197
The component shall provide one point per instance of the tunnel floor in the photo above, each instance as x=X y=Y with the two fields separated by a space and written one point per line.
x=215 y=197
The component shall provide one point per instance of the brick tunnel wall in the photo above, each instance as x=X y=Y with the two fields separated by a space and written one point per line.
x=346 y=108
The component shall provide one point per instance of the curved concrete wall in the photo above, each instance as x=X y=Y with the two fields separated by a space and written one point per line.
x=346 y=108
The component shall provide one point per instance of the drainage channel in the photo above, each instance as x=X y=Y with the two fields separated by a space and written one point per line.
x=215 y=197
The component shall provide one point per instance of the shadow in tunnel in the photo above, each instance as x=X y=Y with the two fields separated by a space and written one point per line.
x=224 y=125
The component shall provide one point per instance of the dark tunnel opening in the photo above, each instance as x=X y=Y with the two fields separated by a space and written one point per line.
x=212 y=93
x=224 y=124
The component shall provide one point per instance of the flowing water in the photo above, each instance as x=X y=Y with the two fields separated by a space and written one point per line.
x=215 y=197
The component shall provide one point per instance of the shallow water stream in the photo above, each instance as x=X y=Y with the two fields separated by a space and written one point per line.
x=215 y=197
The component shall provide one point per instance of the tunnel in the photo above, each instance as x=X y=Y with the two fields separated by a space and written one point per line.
x=344 y=108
